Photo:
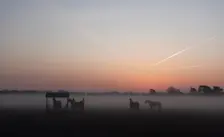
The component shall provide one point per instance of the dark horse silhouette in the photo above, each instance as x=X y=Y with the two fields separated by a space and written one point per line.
x=56 y=104
x=134 y=104
x=77 y=105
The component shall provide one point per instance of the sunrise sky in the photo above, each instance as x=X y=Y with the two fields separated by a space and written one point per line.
x=111 y=44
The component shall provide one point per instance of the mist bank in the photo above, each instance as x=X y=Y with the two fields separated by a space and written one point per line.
x=94 y=93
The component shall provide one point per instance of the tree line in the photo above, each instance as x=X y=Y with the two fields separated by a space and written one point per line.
x=202 y=89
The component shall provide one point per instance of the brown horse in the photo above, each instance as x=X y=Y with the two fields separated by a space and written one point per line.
x=77 y=105
x=134 y=104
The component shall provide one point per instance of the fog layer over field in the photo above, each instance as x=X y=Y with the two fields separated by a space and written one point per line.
x=18 y=101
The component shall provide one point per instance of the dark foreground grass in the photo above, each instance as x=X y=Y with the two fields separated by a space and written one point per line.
x=111 y=123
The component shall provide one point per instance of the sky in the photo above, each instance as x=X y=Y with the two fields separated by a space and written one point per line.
x=111 y=44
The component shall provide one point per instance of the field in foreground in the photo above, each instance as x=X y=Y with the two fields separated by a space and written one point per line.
x=111 y=122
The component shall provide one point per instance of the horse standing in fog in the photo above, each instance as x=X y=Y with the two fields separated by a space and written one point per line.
x=56 y=104
x=77 y=105
x=134 y=104
x=153 y=104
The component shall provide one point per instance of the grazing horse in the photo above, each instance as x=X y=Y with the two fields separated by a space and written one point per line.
x=56 y=104
x=134 y=104
x=153 y=104
x=77 y=105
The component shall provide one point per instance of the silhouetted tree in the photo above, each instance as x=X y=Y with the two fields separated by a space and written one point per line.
x=193 y=90
x=172 y=90
x=208 y=90
x=217 y=89
x=152 y=91
x=204 y=89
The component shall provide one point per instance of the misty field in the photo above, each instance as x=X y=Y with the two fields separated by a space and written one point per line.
x=23 y=101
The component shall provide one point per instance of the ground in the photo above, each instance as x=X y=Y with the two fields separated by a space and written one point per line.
x=110 y=122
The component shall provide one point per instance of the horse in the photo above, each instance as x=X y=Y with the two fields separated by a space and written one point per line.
x=153 y=104
x=77 y=105
x=134 y=104
x=56 y=104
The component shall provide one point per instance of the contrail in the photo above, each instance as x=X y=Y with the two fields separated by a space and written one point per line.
x=179 y=52
x=190 y=67
x=184 y=67
x=175 y=54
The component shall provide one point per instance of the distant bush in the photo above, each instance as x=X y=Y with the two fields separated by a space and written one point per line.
x=152 y=91
x=173 y=90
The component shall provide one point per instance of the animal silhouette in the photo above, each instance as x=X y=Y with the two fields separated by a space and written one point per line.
x=77 y=105
x=56 y=104
x=154 y=104
x=134 y=104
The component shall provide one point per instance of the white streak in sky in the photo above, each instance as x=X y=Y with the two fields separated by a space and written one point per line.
x=190 y=67
x=175 y=54
x=179 y=52
x=184 y=67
